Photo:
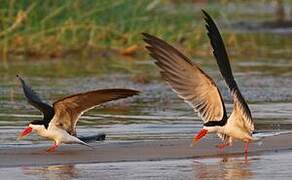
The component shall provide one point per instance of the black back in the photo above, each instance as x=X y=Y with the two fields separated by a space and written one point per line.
x=37 y=122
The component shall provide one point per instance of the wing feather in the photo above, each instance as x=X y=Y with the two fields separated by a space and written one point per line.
x=33 y=99
x=69 y=109
x=221 y=56
x=186 y=79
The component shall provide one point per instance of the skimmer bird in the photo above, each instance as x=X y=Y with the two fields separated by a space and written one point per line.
x=59 y=121
x=198 y=90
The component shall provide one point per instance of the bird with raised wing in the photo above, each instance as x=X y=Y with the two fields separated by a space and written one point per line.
x=59 y=121
x=198 y=90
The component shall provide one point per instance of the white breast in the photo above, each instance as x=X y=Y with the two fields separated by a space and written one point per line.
x=234 y=129
x=53 y=133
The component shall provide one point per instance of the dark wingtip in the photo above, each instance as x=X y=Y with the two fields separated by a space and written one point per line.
x=128 y=92
x=135 y=92
x=93 y=138
x=146 y=35
x=149 y=38
x=207 y=16
x=204 y=12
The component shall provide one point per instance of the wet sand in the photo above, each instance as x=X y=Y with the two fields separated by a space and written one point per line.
x=135 y=151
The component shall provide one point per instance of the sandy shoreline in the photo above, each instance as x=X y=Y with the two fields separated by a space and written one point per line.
x=135 y=151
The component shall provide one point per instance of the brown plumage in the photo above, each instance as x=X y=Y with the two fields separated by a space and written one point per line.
x=69 y=109
x=185 y=78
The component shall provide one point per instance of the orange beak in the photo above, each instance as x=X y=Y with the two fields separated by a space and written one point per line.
x=199 y=136
x=24 y=133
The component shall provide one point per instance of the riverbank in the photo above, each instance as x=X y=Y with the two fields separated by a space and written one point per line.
x=135 y=151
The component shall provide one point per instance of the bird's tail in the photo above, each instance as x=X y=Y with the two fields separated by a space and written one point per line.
x=78 y=141
x=85 y=144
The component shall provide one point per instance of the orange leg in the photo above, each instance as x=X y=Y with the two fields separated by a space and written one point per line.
x=246 y=150
x=52 y=148
x=246 y=147
x=222 y=146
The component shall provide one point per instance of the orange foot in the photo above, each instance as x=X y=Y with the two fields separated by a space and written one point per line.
x=52 y=148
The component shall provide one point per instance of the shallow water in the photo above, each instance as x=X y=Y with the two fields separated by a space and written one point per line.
x=157 y=112
x=265 y=166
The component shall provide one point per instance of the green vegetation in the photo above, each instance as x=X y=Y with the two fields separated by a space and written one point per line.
x=37 y=28
x=56 y=27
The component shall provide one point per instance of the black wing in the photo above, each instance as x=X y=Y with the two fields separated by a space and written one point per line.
x=36 y=101
x=222 y=59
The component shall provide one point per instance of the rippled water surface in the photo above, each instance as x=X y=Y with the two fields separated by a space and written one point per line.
x=157 y=112
x=256 y=167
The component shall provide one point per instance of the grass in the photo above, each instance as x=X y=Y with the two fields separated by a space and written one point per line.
x=55 y=29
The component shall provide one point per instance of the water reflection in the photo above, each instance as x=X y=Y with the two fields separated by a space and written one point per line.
x=225 y=168
x=274 y=165
x=54 y=172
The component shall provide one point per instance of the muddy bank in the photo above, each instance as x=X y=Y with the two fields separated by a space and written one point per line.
x=135 y=151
